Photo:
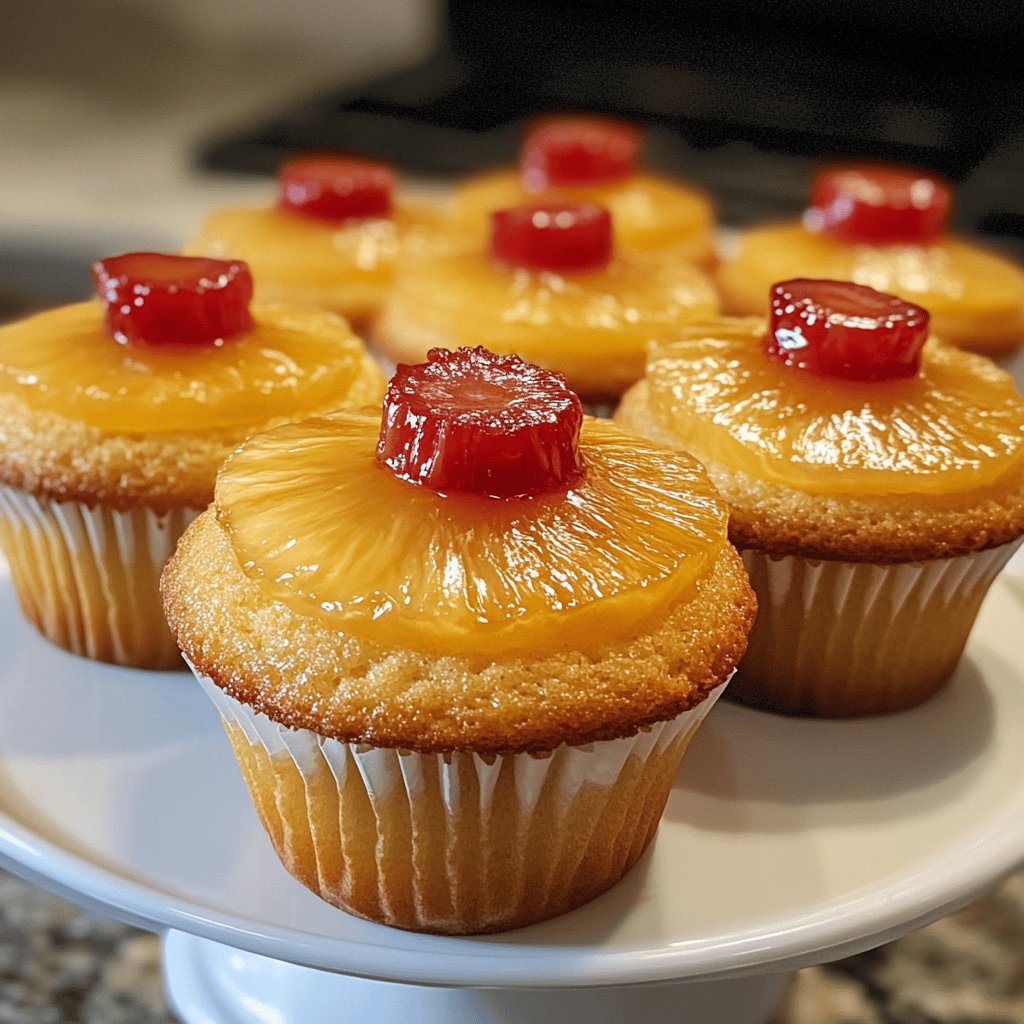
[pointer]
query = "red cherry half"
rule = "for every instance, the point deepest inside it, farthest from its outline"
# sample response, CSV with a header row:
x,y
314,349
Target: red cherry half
x,y
840,329
155,298
563,237
470,421
578,151
877,204
335,188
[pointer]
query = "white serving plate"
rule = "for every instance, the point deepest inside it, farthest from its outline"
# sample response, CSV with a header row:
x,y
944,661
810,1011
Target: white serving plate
x,y
785,841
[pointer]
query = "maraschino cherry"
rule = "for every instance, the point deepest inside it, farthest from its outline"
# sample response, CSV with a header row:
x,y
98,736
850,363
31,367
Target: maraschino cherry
x,y
473,422
576,152
335,188
878,204
845,330
160,299
563,237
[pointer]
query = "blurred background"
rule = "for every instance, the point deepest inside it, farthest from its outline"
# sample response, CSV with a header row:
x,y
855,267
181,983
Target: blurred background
x,y
123,121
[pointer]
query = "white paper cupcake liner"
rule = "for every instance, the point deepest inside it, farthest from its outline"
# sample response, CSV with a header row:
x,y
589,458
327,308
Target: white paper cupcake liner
x,y
455,842
87,576
846,638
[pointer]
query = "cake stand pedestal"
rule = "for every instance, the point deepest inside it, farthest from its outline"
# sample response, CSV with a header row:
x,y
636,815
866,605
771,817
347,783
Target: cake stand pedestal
x,y
785,842
207,981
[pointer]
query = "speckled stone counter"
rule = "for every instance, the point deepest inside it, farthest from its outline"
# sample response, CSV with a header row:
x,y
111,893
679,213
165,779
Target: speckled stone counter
x,y
61,965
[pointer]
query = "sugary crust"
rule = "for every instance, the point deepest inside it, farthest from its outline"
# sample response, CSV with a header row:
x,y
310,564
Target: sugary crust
x,y
51,456
300,673
881,529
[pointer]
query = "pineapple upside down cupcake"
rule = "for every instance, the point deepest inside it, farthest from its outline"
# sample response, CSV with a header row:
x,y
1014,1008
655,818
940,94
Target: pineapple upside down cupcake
x,y
551,286
459,653
877,487
885,227
114,418
595,160
330,242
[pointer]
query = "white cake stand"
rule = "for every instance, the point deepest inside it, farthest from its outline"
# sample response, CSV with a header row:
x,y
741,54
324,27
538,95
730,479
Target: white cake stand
x,y
786,842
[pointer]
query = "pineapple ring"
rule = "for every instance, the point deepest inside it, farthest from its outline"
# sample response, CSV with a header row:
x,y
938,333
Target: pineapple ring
x,y
541,316
330,532
62,361
647,212
958,425
975,297
291,249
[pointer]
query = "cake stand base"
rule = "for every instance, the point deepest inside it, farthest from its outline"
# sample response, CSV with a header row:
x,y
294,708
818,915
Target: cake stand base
x,y
210,983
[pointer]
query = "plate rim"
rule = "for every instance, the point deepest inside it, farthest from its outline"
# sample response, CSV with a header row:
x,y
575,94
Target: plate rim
x,y
842,926
872,917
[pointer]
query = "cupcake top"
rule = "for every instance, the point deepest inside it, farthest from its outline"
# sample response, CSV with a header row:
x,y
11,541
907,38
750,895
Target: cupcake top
x,y
97,396
484,570
835,430
552,284
330,240
885,227
595,160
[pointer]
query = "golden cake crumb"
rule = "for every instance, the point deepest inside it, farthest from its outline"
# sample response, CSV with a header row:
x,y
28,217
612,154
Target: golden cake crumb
x,y
302,674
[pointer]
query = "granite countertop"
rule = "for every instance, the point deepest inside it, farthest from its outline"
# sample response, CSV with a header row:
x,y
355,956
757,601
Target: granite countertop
x,y
62,965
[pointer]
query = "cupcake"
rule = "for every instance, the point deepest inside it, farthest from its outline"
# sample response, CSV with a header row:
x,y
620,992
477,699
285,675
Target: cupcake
x,y
550,286
331,240
460,651
595,160
885,227
876,482
114,417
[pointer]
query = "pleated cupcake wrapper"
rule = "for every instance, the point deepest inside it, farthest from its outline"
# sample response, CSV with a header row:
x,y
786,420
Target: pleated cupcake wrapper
x,y
844,638
455,842
87,576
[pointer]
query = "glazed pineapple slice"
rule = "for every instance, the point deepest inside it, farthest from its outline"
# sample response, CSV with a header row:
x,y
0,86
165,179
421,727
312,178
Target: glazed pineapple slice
x,y
65,361
416,549
330,241
884,226
287,254
594,160
650,214
552,286
606,312
942,422
958,283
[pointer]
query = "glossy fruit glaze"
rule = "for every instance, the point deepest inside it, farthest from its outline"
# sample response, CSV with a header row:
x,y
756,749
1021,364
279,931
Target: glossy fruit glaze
x,y
474,422
305,252
967,290
844,330
465,296
313,515
956,426
160,299
335,188
63,361
879,204
563,237
578,151
648,212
